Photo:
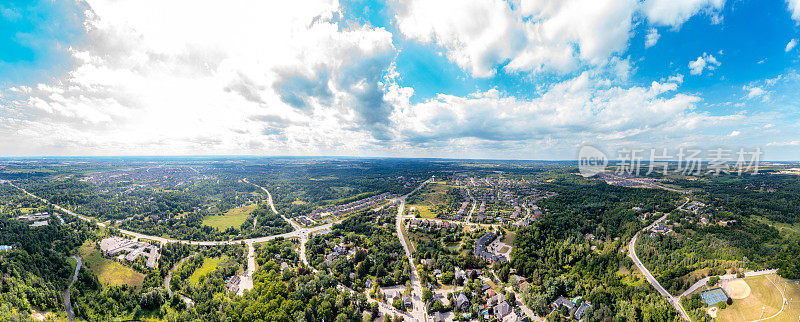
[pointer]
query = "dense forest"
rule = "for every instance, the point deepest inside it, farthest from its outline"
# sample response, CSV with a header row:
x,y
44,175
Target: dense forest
x,y
35,271
555,254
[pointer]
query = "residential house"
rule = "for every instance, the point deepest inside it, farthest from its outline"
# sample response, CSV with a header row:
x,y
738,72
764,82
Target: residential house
x,y
462,302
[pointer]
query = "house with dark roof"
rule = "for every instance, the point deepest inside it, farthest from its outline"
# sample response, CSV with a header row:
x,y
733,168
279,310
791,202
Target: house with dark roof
x,y
480,248
501,310
563,302
462,302
580,312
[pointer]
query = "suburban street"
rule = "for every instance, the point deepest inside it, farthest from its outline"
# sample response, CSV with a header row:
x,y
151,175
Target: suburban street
x,y
675,301
419,313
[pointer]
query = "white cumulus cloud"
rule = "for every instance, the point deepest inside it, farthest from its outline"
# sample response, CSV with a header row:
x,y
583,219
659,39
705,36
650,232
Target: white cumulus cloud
x,y
753,91
790,45
652,38
675,12
535,35
705,62
794,9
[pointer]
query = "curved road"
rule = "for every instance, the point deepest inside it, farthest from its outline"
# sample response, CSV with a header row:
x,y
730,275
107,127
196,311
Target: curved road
x,y
675,301
167,280
299,232
66,295
163,240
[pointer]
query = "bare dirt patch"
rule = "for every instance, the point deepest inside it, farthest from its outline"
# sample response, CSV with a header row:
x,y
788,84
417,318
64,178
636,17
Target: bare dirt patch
x,y
737,289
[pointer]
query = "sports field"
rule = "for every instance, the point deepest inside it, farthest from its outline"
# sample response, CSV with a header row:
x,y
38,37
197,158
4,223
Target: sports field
x,y
765,301
232,218
108,271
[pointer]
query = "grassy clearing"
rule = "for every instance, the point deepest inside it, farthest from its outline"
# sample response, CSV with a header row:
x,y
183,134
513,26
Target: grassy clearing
x,y
424,211
430,196
72,263
108,271
407,239
209,265
765,301
232,218
509,237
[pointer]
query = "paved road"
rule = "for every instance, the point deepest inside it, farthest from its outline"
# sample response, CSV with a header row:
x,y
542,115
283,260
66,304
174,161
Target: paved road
x,y
246,280
66,295
519,303
675,301
727,277
303,233
472,200
163,240
419,313
299,232
189,302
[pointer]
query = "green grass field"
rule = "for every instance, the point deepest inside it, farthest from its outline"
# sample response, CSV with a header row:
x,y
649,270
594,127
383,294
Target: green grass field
x,y
431,195
108,271
509,237
72,263
424,211
209,265
232,218
765,301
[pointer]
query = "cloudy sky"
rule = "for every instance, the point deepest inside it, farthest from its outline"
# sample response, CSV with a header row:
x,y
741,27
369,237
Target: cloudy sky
x,y
519,79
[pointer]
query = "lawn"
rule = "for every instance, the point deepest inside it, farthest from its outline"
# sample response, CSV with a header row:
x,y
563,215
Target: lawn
x,y
108,271
764,295
232,218
209,265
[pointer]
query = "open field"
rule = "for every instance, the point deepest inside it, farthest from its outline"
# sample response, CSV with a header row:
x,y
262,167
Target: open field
x,y
108,271
765,301
509,237
209,265
424,211
232,218
430,196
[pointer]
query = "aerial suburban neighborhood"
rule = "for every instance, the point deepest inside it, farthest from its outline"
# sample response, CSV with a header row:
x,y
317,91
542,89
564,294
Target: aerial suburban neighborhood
x,y
400,160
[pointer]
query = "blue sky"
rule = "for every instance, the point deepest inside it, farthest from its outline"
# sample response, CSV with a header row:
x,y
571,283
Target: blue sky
x,y
491,78
34,37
